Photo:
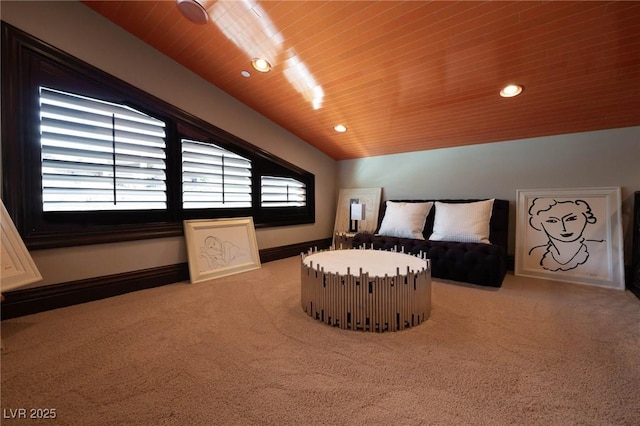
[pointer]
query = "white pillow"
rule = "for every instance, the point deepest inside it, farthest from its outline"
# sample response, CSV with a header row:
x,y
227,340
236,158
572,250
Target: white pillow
x,y
462,222
405,220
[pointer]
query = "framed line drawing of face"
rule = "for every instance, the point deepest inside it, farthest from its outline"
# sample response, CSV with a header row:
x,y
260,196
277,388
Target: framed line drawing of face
x,y
572,235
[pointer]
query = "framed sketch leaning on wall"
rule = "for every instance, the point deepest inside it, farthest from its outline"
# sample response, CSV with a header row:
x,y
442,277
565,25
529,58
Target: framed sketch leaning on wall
x,y
17,267
220,247
370,197
572,235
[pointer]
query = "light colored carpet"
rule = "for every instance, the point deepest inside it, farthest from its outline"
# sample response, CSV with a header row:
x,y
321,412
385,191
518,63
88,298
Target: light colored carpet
x,y
240,350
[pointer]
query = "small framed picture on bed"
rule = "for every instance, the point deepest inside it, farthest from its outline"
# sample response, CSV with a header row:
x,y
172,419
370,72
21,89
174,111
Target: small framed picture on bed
x,y
367,199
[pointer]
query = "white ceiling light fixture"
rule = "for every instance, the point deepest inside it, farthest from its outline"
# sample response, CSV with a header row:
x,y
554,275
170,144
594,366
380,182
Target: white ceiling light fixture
x,y
193,11
340,128
261,65
511,90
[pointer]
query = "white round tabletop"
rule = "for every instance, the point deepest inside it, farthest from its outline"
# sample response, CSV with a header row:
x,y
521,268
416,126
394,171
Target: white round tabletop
x,y
377,263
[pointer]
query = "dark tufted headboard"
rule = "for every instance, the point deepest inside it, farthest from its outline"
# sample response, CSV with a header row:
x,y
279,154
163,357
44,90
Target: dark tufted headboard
x,y
498,226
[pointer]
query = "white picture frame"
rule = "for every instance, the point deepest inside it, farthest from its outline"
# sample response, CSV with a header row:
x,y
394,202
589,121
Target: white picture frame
x,y
370,197
572,235
17,266
220,247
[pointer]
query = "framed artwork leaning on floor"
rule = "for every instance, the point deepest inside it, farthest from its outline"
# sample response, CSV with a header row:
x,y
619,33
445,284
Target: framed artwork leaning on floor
x,y
220,247
17,268
572,235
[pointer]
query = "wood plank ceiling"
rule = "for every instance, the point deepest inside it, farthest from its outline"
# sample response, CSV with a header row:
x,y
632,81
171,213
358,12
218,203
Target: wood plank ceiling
x,y
409,75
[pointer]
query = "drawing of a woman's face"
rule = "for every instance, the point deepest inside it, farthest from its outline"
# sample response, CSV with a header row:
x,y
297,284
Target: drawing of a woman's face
x,y
213,245
562,221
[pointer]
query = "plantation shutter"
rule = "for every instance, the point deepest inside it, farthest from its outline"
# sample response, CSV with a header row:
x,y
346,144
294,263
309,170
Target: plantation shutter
x,y
98,155
213,177
283,192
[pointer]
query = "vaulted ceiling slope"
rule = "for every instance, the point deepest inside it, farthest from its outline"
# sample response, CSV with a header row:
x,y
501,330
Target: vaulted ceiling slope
x,y
409,75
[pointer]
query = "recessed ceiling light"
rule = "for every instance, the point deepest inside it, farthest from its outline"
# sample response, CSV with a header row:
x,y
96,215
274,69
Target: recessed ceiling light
x,y
193,11
245,73
340,128
261,64
511,90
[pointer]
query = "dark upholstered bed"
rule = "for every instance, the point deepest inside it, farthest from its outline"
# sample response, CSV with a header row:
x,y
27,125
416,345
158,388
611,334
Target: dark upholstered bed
x,y
475,263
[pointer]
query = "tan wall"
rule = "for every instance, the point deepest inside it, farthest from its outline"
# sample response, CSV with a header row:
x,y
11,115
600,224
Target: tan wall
x,y
78,30
496,170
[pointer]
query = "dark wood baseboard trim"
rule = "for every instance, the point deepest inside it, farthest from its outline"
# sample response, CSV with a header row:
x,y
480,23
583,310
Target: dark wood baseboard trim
x,y
275,253
629,282
38,299
33,300
634,290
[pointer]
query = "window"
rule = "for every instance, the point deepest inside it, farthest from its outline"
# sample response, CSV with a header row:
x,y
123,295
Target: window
x,y
213,177
282,192
88,158
99,156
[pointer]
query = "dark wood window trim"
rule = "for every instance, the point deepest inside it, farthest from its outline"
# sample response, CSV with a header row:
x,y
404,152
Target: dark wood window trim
x,y
29,63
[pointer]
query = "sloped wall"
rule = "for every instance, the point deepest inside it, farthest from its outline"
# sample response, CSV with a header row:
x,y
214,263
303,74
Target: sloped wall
x,y
78,30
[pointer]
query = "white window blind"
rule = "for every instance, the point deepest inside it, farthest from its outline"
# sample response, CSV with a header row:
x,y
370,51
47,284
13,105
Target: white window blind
x,y
98,155
283,192
213,177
